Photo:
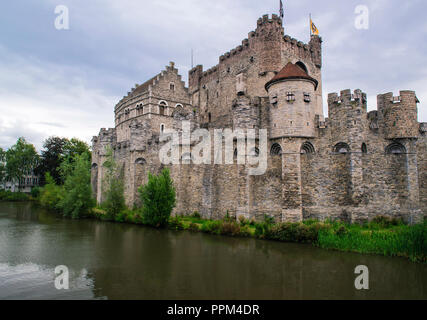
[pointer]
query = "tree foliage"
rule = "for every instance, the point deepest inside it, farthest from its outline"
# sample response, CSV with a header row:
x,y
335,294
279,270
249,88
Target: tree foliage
x,y
51,157
2,166
51,194
77,199
158,199
55,151
21,159
113,186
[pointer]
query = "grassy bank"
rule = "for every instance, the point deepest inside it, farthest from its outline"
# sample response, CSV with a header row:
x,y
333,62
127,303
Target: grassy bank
x,y
383,236
14,196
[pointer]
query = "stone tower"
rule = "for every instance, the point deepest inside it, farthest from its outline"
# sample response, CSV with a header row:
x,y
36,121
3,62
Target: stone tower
x,y
293,103
292,116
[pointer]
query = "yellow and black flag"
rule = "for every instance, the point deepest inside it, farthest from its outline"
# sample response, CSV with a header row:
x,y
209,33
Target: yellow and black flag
x,y
313,28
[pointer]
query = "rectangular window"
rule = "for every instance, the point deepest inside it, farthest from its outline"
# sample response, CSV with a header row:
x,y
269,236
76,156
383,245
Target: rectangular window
x,y
307,97
290,97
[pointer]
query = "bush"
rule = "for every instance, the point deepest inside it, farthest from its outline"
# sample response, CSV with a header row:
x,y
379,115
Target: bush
x,y
77,200
229,228
212,227
35,192
113,187
158,199
262,230
193,227
175,223
51,194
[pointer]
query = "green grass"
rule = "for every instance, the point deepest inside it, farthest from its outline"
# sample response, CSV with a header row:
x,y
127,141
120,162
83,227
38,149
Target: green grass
x,y
401,240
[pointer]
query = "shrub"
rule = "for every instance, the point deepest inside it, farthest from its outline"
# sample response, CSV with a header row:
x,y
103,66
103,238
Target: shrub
x,y
35,192
243,221
113,187
193,227
175,223
158,199
229,228
245,231
77,200
262,230
212,227
51,194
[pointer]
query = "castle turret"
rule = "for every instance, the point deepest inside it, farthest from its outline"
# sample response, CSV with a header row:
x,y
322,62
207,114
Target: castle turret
x,y
348,118
349,126
293,103
398,115
267,42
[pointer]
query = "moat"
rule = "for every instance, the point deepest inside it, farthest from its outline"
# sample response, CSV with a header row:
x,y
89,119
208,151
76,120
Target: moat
x,y
119,261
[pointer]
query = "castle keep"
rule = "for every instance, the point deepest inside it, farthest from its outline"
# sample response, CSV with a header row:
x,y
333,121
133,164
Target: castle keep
x,y
352,165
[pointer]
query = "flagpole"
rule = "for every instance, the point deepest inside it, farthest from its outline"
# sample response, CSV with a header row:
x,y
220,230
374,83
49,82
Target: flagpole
x,y
310,25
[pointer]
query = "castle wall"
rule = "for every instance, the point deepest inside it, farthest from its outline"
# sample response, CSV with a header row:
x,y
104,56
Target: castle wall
x,y
422,171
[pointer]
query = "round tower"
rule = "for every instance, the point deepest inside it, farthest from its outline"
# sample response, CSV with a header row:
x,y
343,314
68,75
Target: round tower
x,y
293,103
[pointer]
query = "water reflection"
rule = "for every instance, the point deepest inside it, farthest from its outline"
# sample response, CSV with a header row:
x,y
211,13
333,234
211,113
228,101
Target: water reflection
x,y
133,262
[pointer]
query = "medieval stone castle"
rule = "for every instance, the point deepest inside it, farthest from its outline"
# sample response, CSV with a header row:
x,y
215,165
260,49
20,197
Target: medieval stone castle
x,y
352,165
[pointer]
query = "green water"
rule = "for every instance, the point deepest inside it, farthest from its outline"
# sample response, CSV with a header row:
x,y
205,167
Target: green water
x,y
118,261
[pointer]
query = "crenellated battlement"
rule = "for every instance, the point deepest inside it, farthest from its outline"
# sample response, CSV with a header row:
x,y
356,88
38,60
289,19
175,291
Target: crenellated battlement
x,y
347,96
398,115
265,20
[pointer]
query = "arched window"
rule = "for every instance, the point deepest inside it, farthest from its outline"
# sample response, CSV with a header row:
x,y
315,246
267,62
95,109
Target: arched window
x,y
210,117
162,107
307,147
395,148
162,128
342,148
178,105
364,148
302,66
140,161
94,166
276,149
172,86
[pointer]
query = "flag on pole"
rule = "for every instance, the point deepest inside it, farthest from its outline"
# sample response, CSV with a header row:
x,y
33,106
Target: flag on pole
x,y
282,12
313,28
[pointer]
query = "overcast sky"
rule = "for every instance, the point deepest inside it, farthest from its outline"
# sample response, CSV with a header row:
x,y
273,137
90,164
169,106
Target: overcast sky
x,y
66,82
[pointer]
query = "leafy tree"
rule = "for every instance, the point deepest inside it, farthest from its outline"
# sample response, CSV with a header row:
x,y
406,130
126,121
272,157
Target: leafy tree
x,y
75,147
2,166
158,199
21,159
72,149
77,200
51,158
113,187
55,151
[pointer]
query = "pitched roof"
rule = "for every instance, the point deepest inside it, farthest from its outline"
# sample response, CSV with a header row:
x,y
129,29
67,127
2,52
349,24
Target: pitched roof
x,y
290,72
143,87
